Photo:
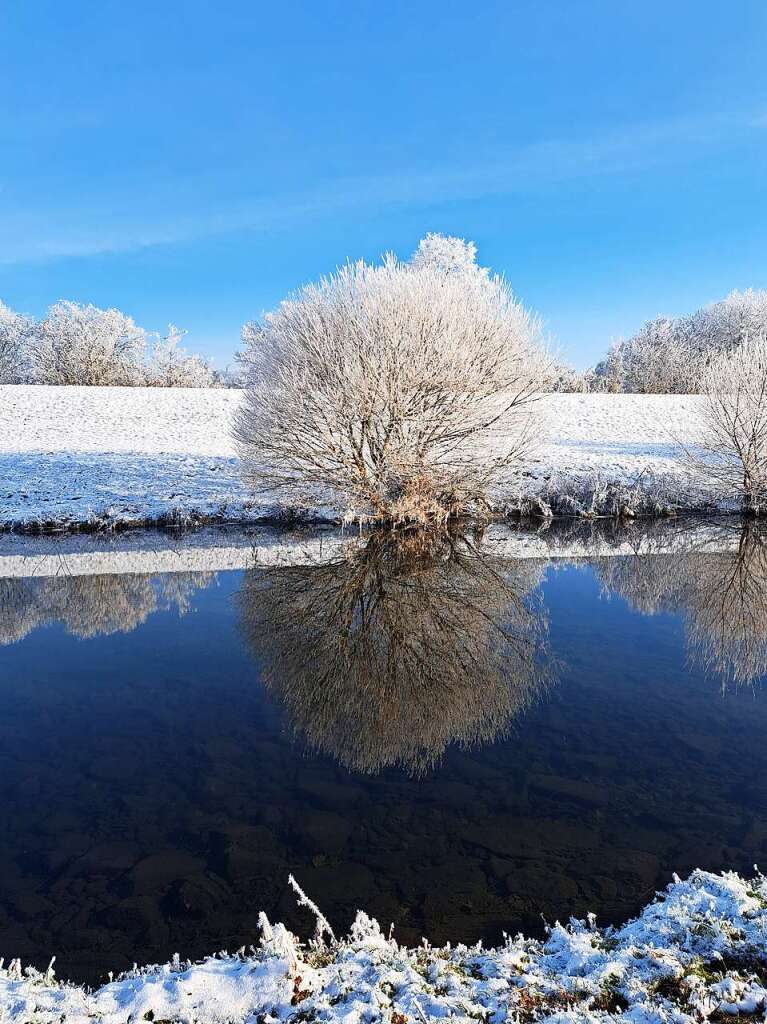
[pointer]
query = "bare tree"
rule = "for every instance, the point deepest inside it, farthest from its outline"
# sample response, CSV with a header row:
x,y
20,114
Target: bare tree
x,y
412,642
393,391
731,455
13,332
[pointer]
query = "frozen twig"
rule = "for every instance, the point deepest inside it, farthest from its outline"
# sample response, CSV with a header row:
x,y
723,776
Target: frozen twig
x,y
323,925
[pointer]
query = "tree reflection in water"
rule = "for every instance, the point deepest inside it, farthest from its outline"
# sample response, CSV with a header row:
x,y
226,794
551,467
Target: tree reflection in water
x,y
408,644
722,596
89,606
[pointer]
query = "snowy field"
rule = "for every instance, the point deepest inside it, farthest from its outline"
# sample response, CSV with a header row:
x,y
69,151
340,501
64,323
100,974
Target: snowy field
x,y
698,953
73,455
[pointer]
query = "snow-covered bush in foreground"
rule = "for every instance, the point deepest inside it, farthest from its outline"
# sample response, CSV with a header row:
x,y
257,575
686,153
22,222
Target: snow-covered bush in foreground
x,y
697,953
395,391
668,356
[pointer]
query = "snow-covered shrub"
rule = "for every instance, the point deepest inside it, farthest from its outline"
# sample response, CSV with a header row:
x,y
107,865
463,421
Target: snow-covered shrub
x,y
731,454
82,344
695,954
396,391
170,366
13,332
668,356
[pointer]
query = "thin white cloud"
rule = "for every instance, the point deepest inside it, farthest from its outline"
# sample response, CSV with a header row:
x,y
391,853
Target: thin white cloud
x,y
104,226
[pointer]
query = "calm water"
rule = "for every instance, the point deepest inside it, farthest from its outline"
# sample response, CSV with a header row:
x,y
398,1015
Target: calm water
x,y
457,744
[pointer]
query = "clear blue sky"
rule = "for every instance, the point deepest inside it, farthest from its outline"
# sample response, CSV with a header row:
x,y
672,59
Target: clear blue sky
x,y
193,161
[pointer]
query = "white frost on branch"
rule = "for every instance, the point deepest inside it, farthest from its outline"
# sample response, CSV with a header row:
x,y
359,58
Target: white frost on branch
x,y
323,925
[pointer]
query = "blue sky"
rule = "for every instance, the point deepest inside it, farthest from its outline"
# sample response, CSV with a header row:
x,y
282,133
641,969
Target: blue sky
x,y
194,161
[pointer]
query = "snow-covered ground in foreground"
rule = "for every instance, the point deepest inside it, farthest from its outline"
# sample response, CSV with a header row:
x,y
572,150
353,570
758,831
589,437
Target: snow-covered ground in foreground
x,y
121,455
697,953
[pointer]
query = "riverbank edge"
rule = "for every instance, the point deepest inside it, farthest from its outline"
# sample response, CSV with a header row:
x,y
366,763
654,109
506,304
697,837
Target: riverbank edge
x,y
555,498
696,952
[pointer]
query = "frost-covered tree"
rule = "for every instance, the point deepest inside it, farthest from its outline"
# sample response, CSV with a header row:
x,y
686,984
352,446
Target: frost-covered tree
x,y
393,391
724,325
13,333
82,344
171,366
731,454
659,360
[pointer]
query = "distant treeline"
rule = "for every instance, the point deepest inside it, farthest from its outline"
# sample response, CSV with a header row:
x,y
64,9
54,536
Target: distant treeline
x,y
83,345
668,355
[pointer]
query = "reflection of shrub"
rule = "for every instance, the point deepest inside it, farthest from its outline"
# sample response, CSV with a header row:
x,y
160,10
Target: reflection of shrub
x,y
89,606
407,645
393,390
722,596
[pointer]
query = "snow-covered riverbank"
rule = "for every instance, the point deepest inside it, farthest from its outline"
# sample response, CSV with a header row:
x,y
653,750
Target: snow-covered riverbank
x,y
697,953
110,456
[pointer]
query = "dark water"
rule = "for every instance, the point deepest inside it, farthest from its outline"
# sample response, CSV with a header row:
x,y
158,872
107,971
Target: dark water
x,y
458,745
